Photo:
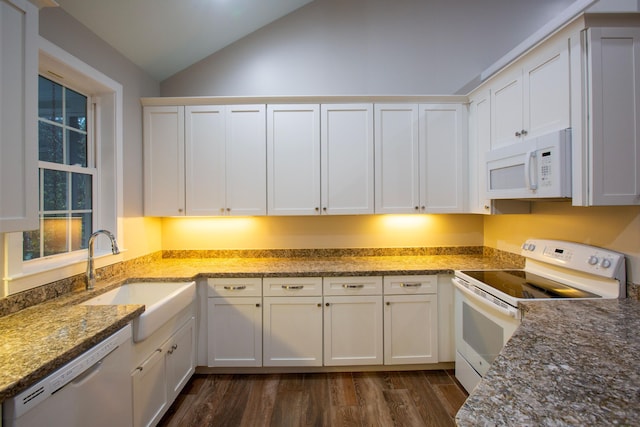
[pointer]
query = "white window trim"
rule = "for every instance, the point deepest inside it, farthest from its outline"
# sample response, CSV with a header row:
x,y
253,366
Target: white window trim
x,y
108,95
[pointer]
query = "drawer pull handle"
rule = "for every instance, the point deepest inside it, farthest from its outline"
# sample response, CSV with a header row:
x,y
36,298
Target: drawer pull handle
x,y
235,288
172,349
353,286
292,287
411,285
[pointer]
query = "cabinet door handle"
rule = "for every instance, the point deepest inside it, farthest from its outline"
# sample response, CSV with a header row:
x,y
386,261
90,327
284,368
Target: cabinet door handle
x,y
292,287
320,305
172,349
518,134
327,304
410,285
235,288
524,132
388,303
258,305
353,286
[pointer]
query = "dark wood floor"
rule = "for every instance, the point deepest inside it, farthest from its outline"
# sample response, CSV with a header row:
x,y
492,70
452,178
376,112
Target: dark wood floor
x,y
414,398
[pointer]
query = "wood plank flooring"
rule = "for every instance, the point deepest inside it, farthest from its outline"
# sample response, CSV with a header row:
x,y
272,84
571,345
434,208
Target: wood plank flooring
x,y
406,398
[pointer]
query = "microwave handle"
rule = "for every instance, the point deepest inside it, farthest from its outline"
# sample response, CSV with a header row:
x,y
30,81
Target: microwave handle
x,y
531,181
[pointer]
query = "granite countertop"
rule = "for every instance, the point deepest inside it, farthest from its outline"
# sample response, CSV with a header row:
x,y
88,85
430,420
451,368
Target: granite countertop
x,y
573,363
37,340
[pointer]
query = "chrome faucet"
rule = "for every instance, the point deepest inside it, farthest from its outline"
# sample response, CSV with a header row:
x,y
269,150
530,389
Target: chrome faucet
x,y
91,270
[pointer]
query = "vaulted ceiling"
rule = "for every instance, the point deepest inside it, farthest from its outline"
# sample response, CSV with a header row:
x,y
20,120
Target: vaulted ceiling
x,y
165,36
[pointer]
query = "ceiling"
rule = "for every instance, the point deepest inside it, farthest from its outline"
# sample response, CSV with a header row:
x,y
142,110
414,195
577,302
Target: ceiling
x,y
165,36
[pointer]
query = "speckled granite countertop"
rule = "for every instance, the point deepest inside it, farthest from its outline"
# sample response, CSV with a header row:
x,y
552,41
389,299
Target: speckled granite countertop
x,y
570,363
37,340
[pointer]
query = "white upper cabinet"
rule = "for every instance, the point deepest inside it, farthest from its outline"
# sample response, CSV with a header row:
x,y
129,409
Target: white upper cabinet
x,y
246,160
531,97
479,144
606,162
205,160
444,158
293,159
397,158
164,161
420,158
19,118
347,159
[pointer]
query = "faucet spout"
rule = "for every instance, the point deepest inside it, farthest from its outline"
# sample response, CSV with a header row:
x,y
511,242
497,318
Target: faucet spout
x,y
91,270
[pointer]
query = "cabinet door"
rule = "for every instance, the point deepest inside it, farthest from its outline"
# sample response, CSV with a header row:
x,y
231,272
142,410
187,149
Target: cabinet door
x,y
149,390
546,90
397,177
18,121
235,331
353,330
443,158
347,159
205,160
410,329
180,358
164,161
614,74
293,159
507,109
246,160
479,144
292,332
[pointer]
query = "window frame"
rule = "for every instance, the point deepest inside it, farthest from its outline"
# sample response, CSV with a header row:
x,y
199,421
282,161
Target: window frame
x,y
107,99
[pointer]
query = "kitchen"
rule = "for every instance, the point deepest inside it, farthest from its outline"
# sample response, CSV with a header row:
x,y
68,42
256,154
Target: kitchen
x,y
615,227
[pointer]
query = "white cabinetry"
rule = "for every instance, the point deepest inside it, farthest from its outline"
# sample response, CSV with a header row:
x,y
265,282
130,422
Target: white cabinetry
x,y
420,158
205,160
531,97
292,322
19,118
353,321
159,378
347,159
235,322
410,319
164,161
293,159
606,148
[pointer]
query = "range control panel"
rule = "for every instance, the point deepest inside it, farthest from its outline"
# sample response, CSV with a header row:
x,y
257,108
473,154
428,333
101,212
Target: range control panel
x,y
576,256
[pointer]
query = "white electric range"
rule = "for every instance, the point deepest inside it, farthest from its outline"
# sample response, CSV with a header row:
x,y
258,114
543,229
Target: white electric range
x,y
486,301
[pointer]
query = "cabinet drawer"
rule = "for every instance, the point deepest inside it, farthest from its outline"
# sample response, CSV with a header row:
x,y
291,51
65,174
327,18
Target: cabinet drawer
x,y
352,285
406,285
292,286
236,287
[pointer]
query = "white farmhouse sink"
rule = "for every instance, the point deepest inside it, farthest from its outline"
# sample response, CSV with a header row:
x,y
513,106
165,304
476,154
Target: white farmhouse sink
x,y
162,301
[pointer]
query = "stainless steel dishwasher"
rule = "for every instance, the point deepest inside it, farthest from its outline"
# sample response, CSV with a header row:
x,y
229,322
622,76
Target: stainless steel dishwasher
x,y
93,389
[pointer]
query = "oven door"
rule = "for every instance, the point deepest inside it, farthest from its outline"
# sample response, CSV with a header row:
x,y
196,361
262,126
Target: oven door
x,y
482,329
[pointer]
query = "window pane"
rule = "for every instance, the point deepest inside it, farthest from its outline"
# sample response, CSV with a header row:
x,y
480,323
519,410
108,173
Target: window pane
x,y
50,142
55,234
80,191
77,148
80,231
55,191
31,245
76,110
49,100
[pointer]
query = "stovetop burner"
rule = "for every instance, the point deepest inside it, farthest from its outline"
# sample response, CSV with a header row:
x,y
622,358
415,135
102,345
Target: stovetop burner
x,y
524,285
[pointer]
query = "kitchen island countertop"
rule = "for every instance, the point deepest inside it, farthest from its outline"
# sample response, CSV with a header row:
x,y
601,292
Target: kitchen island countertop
x,y
37,340
572,363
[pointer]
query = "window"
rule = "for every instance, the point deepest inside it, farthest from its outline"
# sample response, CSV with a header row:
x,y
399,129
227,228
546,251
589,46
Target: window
x,y
80,172
66,173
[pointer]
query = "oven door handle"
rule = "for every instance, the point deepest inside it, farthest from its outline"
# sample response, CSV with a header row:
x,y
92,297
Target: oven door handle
x,y
511,312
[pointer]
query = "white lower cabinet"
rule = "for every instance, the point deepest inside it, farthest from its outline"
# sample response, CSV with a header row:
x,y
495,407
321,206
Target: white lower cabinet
x,y
234,322
410,320
159,378
292,321
352,321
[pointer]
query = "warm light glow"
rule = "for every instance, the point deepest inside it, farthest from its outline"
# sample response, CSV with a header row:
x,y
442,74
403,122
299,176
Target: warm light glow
x,y
404,222
216,225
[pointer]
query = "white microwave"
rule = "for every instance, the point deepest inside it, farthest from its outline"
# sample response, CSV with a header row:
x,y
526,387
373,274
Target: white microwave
x,y
535,168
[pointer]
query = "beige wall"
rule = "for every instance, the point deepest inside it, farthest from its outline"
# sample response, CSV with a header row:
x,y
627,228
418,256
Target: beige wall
x,y
357,231
616,228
